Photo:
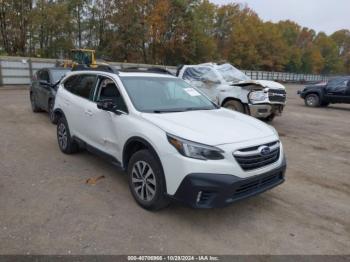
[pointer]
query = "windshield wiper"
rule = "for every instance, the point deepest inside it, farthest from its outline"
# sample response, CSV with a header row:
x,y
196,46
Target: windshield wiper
x,y
197,108
181,110
167,111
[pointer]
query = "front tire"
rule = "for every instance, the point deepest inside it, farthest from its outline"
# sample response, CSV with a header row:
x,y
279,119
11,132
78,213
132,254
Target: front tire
x,y
52,116
146,181
234,105
270,118
312,100
65,141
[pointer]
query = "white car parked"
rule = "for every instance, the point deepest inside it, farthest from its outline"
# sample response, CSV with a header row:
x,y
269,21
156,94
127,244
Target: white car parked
x,y
174,143
231,88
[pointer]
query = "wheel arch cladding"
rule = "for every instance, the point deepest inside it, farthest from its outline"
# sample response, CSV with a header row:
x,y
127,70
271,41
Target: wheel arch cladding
x,y
314,92
229,99
59,113
135,144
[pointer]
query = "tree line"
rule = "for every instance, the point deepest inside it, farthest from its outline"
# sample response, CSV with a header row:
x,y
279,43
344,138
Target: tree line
x,y
169,32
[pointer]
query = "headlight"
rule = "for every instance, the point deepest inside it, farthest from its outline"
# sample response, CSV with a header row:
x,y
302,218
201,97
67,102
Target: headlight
x,y
195,150
274,130
257,96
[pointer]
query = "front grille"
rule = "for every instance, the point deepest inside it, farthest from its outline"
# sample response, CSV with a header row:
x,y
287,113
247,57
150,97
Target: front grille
x,y
276,95
257,184
257,156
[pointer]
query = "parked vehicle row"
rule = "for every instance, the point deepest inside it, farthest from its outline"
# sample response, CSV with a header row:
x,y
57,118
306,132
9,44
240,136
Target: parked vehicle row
x,y
174,143
43,89
177,138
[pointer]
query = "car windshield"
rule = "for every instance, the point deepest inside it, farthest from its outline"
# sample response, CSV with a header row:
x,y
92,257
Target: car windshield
x,y
201,73
58,74
163,94
231,74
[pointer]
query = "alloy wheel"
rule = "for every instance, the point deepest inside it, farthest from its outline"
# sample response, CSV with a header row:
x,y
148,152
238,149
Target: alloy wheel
x,y
311,100
62,136
143,181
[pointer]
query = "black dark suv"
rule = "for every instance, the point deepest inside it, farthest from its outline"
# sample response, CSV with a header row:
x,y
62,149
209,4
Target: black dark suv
x,y
43,89
336,90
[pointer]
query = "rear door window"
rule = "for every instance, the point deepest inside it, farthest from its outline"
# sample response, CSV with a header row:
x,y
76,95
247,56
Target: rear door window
x,y
44,75
81,85
337,85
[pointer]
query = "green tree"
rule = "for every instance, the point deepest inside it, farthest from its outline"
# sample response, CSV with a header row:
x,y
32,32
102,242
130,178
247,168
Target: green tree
x,y
342,40
14,24
52,33
169,32
329,52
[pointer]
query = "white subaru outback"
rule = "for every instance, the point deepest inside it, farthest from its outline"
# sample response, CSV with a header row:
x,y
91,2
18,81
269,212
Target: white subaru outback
x,y
174,143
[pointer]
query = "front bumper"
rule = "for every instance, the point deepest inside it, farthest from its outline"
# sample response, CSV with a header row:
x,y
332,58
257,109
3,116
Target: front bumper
x,y
301,93
218,190
265,110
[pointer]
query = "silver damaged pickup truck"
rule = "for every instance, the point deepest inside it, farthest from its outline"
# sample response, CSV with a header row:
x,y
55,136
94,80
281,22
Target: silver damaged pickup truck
x,y
231,88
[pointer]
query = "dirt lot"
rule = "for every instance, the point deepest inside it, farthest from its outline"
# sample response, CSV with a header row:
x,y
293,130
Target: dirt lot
x,y
47,208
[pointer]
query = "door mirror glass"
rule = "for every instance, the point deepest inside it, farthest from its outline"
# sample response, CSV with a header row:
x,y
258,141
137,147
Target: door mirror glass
x,y
107,105
44,83
110,106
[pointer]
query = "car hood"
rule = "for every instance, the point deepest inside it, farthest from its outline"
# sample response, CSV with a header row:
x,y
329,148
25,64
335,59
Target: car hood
x,y
211,127
262,83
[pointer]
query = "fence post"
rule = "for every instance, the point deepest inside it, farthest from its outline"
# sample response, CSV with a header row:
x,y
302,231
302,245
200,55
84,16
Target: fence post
x,y
1,81
30,68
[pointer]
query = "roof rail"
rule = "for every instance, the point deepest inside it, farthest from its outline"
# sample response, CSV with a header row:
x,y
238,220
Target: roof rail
x,y
158,70
103,68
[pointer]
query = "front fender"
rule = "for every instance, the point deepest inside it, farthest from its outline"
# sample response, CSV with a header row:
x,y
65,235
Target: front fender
x,y
312,91
233,92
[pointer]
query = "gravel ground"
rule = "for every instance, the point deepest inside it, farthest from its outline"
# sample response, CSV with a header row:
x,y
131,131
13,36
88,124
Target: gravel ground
x,y
46,207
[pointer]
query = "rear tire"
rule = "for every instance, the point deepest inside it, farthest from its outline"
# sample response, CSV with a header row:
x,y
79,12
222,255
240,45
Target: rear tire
x,y
64,139
312,100
146,181
33,104
234,105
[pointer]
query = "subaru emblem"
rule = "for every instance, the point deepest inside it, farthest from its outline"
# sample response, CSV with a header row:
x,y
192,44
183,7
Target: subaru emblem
x,y
264,150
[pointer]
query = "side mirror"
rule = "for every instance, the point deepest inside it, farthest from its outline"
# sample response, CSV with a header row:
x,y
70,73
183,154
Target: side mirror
x,y
107,105
44,83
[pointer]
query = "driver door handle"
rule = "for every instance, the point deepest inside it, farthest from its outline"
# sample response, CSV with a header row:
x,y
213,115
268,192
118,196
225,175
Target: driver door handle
x,y
88,112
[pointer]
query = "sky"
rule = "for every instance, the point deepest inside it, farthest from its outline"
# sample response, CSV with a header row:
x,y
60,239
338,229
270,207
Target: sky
x,y
321,15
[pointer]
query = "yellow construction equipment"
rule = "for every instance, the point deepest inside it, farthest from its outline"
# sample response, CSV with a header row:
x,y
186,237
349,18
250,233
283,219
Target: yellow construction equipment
x,y
85,59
